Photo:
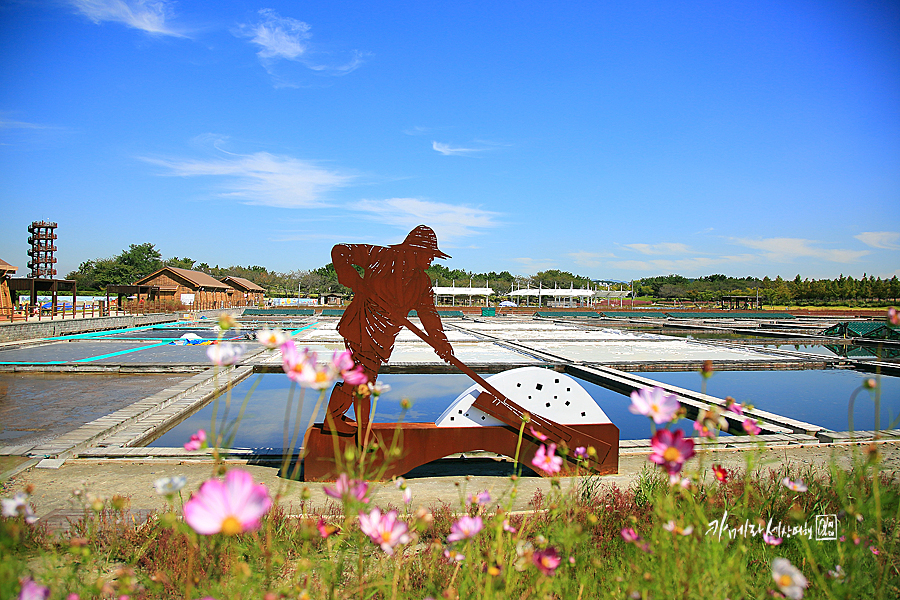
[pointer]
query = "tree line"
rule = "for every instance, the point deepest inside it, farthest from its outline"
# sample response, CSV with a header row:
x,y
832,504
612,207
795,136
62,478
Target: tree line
x,y
140,260
867,289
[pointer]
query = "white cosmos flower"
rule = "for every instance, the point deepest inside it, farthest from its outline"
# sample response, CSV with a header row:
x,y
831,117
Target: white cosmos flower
x,y
168,486
271,338
225,353
18,505
788,578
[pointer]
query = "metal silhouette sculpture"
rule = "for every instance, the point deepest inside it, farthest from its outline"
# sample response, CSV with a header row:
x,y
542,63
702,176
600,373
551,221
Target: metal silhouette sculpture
x,y
392,283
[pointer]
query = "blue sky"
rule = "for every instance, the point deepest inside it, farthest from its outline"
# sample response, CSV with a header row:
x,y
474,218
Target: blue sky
x,y
615,140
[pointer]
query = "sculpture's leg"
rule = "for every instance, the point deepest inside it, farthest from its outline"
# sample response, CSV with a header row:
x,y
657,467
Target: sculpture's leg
x,y
339,403
342,397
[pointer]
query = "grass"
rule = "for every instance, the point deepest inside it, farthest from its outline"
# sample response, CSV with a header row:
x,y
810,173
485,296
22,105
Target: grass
x,y
108,555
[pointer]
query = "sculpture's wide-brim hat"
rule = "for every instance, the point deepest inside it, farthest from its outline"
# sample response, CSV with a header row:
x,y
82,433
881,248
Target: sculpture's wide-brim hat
x,y
422,238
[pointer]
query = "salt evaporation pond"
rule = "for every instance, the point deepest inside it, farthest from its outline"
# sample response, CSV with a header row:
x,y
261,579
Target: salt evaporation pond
x,y
814,396
263,422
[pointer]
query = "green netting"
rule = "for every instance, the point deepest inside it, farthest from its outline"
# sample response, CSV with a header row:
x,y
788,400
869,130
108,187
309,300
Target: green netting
x,y
865,329
279,311
728,315
441,313
632,315
574,313
332,312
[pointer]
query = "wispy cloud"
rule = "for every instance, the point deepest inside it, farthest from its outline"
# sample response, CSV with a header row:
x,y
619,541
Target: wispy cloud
x,y
534,265
884,240
263,178
662,248
419,130
687,266
147,15
450,221
590,259
448,150
7,124
286,39
788,249
26,134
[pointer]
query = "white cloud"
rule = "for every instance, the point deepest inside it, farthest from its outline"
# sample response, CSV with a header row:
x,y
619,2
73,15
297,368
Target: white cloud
x,y
146,15
689,266
662,248
788,249
885,240
590,259
449,221
286,39
279,37
448,150
263,178
535,265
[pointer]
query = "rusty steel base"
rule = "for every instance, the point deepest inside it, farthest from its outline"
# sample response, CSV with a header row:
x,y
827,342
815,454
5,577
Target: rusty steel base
x,y
421,443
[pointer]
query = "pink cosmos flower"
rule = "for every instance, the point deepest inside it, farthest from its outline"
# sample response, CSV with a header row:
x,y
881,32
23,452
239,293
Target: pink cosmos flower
x,y
654,403
345,489
481,499
453,555
703,430
796,486
225,353
720,473
734,407
326,530
301,366
197,441
384,530
581,452
507,527
352,373
537,434
673,527
465,528
33,591
230,507
630,535
771,539
545,459
893,316
751,427
671,450
874,550
546,560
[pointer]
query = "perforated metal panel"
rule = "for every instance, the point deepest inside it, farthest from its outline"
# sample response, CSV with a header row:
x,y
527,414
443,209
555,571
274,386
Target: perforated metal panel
x,y
540,391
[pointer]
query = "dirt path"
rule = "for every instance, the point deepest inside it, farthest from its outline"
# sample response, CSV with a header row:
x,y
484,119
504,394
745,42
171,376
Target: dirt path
x,y
52,489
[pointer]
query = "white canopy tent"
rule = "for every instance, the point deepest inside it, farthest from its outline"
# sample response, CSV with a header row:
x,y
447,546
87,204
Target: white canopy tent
x,y
469,292
572,295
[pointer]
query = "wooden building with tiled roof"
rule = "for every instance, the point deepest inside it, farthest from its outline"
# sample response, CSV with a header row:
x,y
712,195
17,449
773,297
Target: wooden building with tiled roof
x,y
195,289
246,292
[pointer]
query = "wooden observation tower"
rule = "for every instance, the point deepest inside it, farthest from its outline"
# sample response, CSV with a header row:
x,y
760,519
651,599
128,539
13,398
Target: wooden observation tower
x,y
42,239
